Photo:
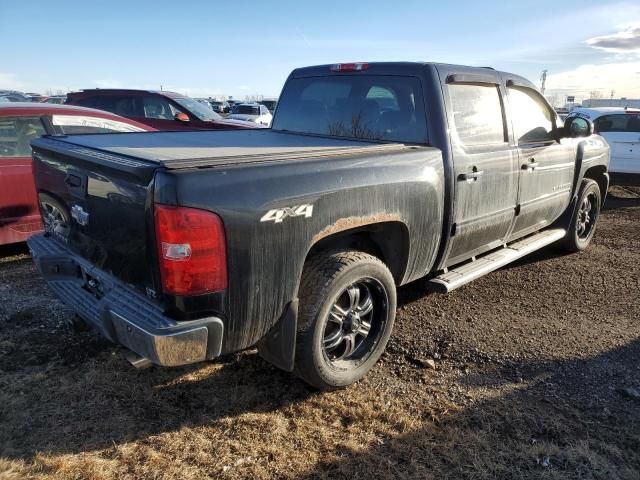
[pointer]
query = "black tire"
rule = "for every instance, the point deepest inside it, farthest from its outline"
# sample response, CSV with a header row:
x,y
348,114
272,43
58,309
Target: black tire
x,y
584,219
55,215
333,353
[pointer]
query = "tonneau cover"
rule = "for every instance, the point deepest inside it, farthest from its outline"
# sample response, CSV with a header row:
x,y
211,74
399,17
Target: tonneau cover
x,y
211,148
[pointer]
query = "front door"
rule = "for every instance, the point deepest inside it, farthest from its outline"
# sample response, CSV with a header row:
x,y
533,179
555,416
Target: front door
x,y
484,162
19,213
546,164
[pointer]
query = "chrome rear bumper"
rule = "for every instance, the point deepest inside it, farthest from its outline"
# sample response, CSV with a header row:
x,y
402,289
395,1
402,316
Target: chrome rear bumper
x,y
122,314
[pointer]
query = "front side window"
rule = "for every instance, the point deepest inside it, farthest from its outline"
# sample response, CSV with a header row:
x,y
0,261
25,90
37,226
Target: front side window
x,y
73,124
16,135
532,118
372,107
477,114
626,123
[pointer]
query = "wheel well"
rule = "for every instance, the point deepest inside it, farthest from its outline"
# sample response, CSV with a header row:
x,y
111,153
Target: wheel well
x,y
389,241
598,173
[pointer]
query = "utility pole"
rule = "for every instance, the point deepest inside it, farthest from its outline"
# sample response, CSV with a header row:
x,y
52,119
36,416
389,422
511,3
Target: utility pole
x,y
543,79
612,94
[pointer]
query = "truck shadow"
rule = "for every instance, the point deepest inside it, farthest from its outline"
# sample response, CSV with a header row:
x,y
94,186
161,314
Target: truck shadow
x,y
582,414
13,249
90,403
621,197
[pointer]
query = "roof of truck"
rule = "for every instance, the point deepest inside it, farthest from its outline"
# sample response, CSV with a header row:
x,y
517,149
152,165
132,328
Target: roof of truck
x,y
211,148
403,68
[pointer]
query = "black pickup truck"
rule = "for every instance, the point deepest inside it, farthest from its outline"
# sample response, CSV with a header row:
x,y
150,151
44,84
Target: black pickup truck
x,y
183,246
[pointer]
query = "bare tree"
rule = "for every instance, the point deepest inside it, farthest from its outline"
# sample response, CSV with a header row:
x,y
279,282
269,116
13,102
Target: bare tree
x,y
357,129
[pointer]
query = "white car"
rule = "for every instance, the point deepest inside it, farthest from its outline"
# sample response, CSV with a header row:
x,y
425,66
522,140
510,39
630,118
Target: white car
x,y
620,127
251,112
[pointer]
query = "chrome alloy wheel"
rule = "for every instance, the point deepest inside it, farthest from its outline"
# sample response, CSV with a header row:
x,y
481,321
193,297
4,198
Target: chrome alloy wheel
x,y
55,221
355,322
587,216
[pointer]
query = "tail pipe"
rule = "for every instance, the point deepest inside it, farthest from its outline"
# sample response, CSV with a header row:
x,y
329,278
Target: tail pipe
x,y
138,361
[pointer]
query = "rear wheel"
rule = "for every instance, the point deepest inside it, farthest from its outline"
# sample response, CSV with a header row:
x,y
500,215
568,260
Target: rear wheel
x,y
347,309
585,217
54,215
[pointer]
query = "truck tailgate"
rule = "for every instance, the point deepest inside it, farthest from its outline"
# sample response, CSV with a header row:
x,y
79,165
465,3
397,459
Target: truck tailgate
x,y
105,200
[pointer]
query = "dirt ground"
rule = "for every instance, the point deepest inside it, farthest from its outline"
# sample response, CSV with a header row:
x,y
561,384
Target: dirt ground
x,y
537,376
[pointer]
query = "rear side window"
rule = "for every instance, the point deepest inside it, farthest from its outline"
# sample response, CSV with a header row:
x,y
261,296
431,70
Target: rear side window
x,y
74,124
246,109
124,105
477,114
629,123
532,118
371,107
16,135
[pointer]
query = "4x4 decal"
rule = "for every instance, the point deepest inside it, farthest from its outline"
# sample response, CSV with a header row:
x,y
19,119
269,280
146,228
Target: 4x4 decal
x,y
277,215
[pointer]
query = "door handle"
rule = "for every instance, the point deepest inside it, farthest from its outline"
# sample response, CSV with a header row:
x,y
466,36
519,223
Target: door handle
x,y
473,175
73,181
76,185
531,166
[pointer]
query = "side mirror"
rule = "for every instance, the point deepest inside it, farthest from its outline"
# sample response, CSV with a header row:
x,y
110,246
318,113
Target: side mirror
x,y
181,117
577,127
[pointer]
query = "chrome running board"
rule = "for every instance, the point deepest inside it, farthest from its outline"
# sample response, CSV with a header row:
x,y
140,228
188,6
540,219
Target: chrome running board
x,y
460,275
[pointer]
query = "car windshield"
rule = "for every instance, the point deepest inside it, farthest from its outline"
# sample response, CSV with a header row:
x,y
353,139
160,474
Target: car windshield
x,y
199,110
246,109
374,107
627,122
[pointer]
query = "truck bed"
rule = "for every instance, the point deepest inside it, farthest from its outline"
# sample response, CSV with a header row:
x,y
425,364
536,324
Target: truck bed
x,y
174,150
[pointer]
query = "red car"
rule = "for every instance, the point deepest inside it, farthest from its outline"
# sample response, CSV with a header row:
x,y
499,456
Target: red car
x,y
19,124
158,109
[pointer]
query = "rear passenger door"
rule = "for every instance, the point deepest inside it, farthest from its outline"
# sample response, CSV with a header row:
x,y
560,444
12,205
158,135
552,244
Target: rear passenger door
x,y
547,162
485,163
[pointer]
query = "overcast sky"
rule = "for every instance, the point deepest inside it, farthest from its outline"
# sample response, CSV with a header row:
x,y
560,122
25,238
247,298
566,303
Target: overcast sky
x,y
242,47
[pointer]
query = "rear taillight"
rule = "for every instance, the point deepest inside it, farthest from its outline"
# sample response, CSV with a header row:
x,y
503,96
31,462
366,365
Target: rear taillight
x,y
191,250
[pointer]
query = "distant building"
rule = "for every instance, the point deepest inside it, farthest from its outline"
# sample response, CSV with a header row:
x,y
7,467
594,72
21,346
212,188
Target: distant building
x,y
611,102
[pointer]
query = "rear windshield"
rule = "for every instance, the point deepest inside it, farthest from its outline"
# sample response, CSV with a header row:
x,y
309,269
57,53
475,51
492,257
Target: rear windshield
x,y
246,109
626,122
373,107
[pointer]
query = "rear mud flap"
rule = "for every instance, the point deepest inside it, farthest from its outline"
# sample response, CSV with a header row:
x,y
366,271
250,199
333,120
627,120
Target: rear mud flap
x,y
278,346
